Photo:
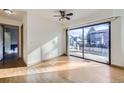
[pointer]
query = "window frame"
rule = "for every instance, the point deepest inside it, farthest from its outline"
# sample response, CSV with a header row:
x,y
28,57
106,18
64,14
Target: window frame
x,y
82,27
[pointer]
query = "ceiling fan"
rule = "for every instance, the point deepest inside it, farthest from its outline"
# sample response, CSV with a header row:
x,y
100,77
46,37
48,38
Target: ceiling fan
x,y
63,15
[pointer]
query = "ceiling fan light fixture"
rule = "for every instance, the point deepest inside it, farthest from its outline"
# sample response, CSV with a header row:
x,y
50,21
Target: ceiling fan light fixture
x,y
61,19
8,11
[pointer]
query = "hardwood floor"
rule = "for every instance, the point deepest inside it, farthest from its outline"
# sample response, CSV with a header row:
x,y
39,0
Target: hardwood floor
x,y
12,64
63,70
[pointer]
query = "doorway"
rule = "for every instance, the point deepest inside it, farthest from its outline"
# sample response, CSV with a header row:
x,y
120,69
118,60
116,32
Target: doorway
x,y
9,43
90,42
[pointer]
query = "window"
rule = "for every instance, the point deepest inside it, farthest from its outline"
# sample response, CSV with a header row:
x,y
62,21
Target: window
x,y
90,42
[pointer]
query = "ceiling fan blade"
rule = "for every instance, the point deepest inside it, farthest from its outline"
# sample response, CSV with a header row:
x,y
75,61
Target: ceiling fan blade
x,y
67,18
70,14
62,13
56,15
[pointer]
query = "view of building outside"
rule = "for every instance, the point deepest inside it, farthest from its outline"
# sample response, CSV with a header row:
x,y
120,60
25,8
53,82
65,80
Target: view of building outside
x,y
90,42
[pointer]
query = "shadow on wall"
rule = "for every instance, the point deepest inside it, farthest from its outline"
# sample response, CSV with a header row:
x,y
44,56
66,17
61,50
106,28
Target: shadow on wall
x,y
46,51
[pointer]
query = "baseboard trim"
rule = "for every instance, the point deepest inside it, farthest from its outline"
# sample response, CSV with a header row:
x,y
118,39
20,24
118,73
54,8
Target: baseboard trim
x,y
20,58
113,65
64,55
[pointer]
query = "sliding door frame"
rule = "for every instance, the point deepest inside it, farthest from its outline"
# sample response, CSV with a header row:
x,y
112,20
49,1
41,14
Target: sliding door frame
x,y
3,43
3,47
82,27
3,26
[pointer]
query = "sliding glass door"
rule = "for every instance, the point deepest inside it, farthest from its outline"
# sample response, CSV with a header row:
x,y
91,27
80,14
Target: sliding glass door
x,y
8,43
90,42
1,43
96,42
75,42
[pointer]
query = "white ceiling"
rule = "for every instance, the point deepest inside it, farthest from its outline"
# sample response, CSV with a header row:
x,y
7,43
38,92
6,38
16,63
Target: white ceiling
x,y
77,13
48,13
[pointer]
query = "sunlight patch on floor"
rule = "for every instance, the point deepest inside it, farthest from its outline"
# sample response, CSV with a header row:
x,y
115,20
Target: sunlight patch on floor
x,y
51,66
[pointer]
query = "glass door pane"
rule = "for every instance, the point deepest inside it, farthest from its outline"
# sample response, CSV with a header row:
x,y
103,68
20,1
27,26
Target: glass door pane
x,y
11,43
1,43
96,42
75,42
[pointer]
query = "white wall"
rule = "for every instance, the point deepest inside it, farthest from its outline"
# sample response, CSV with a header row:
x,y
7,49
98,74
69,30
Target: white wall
x,y
120,13
117,32
122,40
44,38
25,38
